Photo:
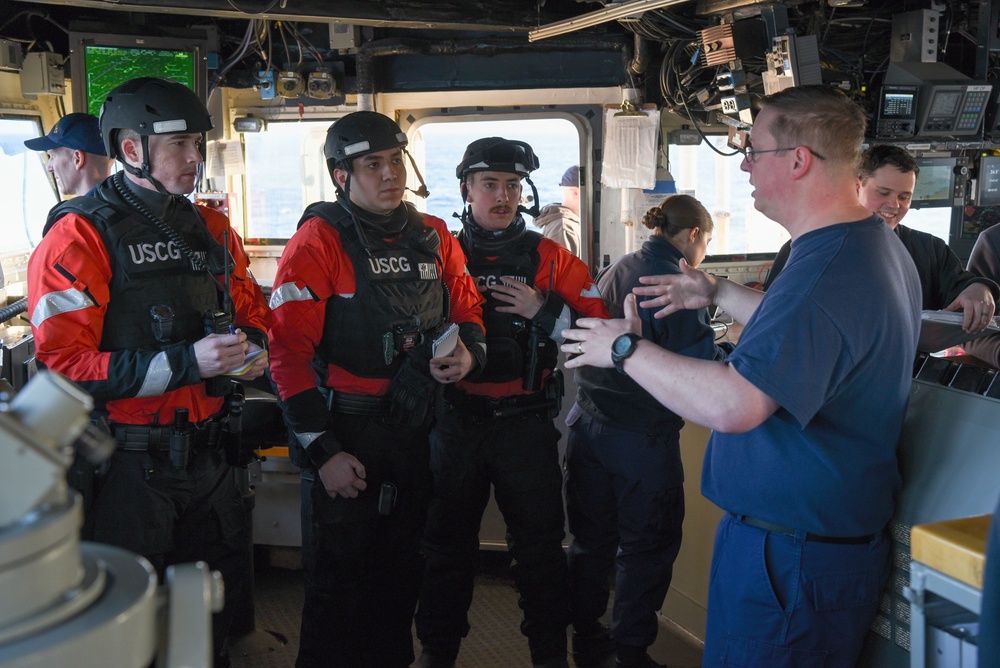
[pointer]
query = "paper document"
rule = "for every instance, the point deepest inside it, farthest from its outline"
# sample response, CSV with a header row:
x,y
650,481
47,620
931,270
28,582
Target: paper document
x,y
252,356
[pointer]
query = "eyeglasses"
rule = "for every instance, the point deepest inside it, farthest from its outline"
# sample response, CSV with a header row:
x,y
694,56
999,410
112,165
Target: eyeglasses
x,y
751,153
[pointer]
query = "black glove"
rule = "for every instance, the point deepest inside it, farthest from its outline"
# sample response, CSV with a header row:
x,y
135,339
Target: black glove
x,y
413,389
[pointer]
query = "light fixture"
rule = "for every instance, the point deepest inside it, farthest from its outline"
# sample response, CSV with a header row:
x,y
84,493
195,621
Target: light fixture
x,y
610,13
248,123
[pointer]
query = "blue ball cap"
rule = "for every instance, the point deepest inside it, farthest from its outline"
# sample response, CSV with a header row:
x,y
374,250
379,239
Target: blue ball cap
x,y
571,177
77,131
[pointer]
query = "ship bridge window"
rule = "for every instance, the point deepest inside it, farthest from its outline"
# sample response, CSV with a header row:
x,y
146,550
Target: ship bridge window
x,y
936,221
27,189
716,180
294,151
714,177
285,171
439,147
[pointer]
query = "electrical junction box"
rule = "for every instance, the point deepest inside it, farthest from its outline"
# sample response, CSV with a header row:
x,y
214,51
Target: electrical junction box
x,y
10,55
321,85
265,81
290,84
42,74
344,37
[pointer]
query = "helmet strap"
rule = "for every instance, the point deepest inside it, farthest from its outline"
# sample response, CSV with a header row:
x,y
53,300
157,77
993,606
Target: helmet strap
x,y
535,208
354,216
422,191
145,171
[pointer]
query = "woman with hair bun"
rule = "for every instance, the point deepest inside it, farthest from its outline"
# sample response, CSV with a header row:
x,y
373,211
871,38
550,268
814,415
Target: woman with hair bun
x,y
624,477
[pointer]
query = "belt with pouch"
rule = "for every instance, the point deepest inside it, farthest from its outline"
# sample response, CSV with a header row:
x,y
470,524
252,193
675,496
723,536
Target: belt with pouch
x,y
786,531
374,405
477,406
156,437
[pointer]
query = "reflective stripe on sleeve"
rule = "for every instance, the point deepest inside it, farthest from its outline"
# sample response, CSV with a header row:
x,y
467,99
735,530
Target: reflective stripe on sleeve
x,y
158,376
564,321
289,292
305,438
57,303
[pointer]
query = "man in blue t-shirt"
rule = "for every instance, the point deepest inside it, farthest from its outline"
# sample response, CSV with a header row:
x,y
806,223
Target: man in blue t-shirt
x,y
807,411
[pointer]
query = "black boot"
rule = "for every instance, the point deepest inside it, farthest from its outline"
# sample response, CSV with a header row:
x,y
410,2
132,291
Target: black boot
x,y
635,657
555,663
593,646
430,661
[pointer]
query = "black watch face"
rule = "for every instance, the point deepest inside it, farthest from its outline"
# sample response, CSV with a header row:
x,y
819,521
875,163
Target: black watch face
x,y
622,344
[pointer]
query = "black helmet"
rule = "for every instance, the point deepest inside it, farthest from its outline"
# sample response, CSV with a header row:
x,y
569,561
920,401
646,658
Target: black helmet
x,y
359,133
496,154
151,106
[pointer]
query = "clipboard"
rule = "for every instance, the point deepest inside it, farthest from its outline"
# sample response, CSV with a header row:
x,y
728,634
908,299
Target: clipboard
x,y
940,330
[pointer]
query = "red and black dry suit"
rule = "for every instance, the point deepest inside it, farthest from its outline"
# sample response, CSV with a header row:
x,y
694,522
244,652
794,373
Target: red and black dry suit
x,y
491,430
93,280
346,311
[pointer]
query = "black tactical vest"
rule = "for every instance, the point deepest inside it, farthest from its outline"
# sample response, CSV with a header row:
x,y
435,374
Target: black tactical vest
x,y
149,272
506,333
398,295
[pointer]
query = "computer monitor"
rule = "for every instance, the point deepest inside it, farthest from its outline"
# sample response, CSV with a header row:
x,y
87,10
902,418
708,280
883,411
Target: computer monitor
x,y
102,60
988,191
936,183
897,112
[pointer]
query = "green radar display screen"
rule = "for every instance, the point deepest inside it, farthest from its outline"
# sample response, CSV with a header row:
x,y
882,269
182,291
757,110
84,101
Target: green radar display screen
x,y
108,66
101,60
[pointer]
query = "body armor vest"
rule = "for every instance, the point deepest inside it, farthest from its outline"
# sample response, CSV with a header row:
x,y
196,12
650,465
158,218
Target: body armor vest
x,y
398,295
149,273
507,334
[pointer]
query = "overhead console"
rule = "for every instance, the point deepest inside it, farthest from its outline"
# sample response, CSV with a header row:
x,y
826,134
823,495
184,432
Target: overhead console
x,y
930,100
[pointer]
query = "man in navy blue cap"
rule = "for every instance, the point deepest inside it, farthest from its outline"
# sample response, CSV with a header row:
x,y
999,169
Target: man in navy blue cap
x,y
76,153
561,222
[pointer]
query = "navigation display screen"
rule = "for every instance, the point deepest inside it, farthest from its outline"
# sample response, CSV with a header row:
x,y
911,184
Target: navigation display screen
x,y
897,105
989,181
945,103
108,66
936,183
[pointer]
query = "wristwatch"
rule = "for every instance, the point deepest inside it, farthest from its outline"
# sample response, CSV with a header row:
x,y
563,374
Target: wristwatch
x,y
622,349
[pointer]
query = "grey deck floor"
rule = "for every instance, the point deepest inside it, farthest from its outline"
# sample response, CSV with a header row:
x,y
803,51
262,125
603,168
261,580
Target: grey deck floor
x,y
495,640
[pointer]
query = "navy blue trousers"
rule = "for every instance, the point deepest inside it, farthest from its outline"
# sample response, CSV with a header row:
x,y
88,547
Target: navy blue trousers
x,y
625,503
776,600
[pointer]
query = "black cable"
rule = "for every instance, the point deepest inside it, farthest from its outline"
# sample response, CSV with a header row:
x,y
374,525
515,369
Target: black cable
x,y
299,37
244,45
11,310
724,331
29,13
